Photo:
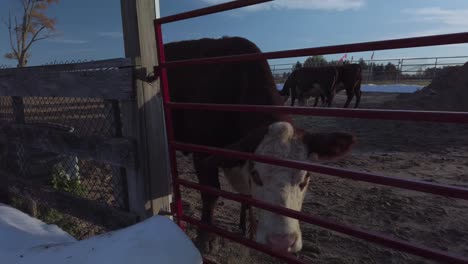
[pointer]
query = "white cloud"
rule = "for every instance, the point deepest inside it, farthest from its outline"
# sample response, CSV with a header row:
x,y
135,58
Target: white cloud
x,y
111,34
442,21
68,41
335,5
420,33
448,17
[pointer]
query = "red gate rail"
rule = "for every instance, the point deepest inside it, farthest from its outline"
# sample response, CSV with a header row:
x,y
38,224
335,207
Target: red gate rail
x,y
433,188
209,10
239,239
341,228
435,40
428,116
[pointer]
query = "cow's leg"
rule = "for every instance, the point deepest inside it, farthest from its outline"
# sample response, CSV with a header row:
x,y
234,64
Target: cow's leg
x,y
295,93
243,217
293,98
252,224
330,99
323,96
350,95
358,97
329,95
251,229
316,101
207,175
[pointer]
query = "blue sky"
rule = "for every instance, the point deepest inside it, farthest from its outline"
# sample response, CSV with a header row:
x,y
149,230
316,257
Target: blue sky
x,y
91,29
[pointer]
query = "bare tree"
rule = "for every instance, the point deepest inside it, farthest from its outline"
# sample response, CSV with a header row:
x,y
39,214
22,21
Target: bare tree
x,y
34,25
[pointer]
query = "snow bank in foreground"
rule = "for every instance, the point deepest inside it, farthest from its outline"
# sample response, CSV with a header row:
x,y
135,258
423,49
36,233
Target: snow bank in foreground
x,y
20,231
25,240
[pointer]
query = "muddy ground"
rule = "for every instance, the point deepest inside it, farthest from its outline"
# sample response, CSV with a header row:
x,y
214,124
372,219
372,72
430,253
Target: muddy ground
x,y
424,151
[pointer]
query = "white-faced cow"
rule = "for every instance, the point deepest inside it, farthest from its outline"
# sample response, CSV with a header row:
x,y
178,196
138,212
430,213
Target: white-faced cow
x,y
270,134
308,82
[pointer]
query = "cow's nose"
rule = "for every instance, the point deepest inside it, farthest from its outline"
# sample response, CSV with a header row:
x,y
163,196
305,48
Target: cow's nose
x,y
282,242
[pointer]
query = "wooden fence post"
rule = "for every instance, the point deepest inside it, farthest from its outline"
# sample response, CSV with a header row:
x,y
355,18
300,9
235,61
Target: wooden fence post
x,y
145,119
18,109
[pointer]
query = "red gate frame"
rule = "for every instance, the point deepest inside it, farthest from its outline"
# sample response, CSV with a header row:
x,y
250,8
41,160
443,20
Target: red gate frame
x,y
430,116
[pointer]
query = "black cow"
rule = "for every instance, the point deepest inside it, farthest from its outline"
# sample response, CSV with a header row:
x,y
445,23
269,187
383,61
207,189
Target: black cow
x,y
308,82
324,82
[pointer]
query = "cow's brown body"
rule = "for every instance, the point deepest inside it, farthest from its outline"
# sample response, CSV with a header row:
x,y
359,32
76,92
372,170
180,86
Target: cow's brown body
x,y
240,83
231,83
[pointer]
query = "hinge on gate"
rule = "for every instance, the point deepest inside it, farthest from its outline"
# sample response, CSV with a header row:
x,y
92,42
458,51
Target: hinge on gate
x,y
143,75
151,77
156,72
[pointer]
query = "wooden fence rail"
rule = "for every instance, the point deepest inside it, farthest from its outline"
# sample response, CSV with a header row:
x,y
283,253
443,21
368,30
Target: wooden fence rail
x,y
84,89
108,79
89,210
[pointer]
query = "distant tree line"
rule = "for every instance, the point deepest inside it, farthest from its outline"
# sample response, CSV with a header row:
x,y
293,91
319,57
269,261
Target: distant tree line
x,y
373,71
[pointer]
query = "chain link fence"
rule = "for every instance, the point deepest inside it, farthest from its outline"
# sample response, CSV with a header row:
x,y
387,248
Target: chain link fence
x,y
387,71
99,182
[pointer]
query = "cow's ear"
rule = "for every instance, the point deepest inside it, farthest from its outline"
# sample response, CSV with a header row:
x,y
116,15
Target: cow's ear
x,y
328,145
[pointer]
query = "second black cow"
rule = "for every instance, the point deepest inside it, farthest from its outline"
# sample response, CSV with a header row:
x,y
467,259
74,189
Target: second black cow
x,y
324,83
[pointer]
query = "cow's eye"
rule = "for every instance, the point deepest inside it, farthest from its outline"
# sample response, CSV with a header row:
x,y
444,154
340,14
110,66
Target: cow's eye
x,y
256,178
304,183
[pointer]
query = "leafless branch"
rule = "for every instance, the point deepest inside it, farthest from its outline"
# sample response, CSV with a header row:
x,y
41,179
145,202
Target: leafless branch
x,y
34,38
11,36
28,9
17,37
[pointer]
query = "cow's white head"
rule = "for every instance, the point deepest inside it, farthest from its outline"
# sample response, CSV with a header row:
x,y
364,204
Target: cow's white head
x,y
284,186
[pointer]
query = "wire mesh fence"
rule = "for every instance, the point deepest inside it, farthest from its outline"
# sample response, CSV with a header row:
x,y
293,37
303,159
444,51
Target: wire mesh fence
x,y
6,109
85,178
101,183
391,70
71,61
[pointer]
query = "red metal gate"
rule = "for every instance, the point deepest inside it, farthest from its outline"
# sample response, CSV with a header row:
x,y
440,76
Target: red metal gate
x,y
447,117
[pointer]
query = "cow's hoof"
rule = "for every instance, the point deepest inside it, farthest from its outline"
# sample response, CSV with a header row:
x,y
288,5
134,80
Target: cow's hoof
x,y
207,243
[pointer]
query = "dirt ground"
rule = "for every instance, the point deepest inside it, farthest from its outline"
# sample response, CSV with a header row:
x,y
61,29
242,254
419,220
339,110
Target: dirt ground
x,y
412,150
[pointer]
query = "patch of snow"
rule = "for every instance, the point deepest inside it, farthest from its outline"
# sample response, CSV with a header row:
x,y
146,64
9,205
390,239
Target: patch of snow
x,y
389,88
26,240
19,231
